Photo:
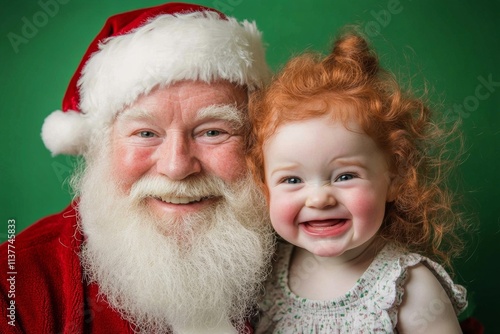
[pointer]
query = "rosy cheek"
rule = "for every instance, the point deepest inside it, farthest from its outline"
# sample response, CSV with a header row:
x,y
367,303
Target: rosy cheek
x,y
129,164
368,207
226,163
283,211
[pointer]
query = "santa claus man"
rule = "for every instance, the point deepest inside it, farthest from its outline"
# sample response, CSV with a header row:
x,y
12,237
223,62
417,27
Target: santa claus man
x,y
167,232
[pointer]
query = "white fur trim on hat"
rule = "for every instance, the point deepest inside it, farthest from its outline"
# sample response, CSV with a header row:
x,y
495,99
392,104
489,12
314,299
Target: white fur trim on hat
x,y
64,132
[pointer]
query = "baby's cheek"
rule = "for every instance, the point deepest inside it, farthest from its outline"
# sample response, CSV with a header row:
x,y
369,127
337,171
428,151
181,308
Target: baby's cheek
x,y
283,213
368,207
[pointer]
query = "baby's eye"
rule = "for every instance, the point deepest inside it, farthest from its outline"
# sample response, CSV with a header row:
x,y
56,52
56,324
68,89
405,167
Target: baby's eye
x,y
344,177
146,134
291,180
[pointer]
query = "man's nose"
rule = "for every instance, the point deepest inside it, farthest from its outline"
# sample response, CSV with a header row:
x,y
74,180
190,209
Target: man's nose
x,y
321,197
176,158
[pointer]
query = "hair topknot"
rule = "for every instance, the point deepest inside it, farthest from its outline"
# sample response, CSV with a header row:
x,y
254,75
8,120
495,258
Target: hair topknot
x,y
352,51
351,85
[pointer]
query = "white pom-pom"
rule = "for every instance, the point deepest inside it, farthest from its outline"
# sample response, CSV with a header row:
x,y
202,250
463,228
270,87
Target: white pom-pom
x,y
64,132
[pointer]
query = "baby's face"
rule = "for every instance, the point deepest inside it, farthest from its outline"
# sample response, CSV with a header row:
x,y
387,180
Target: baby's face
x,y
328,185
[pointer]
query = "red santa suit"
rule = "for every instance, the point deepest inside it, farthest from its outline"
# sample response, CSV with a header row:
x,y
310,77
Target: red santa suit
x,y
49,293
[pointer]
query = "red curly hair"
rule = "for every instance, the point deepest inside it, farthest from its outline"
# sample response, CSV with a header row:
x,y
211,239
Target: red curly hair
x,y
353,87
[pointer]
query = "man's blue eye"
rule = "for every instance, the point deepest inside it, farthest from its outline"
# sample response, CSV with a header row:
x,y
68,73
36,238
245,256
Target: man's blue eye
x,y
212,133
146,134
292,180
345,177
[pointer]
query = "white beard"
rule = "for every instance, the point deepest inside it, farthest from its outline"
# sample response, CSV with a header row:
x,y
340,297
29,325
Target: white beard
x,y
192,274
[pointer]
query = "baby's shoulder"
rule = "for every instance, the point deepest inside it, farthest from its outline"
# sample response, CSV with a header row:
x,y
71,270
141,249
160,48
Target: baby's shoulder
x,y
422,286
426,304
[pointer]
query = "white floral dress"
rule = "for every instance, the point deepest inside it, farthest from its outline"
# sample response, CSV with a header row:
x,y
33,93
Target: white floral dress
x,y
371,306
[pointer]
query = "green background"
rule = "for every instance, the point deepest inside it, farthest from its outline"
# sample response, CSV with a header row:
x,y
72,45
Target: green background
x,y
453,45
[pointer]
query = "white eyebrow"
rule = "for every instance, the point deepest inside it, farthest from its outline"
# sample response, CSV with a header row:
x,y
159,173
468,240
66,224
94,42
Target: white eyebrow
x,y
135,114
225,112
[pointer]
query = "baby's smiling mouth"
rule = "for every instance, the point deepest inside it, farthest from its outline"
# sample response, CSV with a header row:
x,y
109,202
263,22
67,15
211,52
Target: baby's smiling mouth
x,y
322,224
325,227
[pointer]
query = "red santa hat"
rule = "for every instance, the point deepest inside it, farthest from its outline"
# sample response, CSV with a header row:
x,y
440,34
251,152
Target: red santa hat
x,y
142,49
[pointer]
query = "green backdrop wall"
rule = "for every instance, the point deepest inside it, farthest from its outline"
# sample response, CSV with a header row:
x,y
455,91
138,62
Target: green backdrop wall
x,y
454,45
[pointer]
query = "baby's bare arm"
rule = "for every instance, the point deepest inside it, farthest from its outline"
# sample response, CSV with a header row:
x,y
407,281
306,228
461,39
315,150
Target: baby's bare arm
x,y
426,307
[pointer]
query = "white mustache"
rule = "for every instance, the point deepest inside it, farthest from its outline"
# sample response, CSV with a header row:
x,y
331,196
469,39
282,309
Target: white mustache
x,y
178,192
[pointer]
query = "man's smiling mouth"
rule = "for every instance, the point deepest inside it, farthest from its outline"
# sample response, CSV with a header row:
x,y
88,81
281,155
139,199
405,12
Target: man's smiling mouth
x,y
181,200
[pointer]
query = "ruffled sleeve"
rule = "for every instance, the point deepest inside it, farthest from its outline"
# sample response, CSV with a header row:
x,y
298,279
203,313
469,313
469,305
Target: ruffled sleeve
x,y
391,267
